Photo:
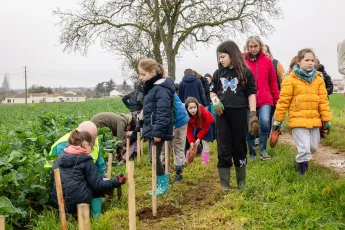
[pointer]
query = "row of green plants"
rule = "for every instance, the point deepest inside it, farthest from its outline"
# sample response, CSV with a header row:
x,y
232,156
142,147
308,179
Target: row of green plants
x,y
26,135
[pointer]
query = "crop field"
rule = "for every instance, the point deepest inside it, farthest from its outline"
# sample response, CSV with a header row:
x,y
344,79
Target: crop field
x,y
276,197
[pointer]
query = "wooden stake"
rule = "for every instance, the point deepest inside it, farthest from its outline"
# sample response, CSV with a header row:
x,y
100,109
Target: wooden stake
x,y
83,217
131,197
110,164
127,154
2,222
166,145
332,112
141,142
154,182
61,201
138,147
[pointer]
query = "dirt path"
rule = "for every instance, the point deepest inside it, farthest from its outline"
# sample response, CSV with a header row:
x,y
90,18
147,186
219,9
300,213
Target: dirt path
x,y
325,155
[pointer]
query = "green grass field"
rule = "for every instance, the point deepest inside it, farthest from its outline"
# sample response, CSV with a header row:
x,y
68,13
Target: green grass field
x,y
276,197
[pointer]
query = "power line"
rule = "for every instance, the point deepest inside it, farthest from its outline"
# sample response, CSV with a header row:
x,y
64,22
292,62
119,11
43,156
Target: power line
x,y
26,89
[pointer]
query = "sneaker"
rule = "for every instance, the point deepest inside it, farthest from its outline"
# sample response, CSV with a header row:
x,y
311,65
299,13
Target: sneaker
x,y
303,167
265,156
121,162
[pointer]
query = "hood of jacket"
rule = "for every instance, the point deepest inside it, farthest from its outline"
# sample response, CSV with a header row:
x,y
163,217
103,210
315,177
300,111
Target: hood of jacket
x,y
70,160
189,78
167,83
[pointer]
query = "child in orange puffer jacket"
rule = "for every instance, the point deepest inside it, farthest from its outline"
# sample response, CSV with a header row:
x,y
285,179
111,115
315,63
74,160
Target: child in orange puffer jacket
x,y
304,95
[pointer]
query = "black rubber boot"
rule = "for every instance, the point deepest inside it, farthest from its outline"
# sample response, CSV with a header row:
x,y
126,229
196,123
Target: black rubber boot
x,y
241,177
224,175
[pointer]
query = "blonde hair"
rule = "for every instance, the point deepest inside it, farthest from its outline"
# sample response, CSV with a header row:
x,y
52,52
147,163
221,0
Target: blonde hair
x,y
255,38
148,65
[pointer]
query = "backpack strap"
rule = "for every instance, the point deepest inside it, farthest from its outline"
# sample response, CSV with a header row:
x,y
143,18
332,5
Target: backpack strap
x,y
275,65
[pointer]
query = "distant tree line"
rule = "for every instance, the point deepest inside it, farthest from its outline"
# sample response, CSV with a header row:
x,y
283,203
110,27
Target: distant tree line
x,y
40,89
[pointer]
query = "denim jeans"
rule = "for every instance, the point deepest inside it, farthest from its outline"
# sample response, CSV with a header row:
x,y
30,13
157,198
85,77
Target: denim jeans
x,y
264,115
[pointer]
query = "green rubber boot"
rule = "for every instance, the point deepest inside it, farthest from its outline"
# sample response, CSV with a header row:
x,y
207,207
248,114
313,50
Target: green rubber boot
x,y
179,171
96,207
224,175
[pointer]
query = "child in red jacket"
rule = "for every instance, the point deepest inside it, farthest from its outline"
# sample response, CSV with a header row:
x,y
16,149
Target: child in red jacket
x,y
199,128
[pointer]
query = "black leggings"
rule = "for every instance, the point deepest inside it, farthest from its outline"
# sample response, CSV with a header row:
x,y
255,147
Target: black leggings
x,y
159,146
232,129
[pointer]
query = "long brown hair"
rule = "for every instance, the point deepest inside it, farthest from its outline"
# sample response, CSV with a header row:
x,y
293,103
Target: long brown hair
x,y
237,61
77,138
198,113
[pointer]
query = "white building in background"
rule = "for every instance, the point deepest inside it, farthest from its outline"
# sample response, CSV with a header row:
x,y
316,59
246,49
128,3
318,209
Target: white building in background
x,y
42,98
115,93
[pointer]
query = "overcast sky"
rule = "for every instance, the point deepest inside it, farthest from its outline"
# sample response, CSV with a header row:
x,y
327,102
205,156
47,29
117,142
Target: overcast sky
x,y
28,37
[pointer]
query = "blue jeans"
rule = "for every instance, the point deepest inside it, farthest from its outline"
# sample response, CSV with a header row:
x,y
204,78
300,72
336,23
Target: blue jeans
x,y
264,115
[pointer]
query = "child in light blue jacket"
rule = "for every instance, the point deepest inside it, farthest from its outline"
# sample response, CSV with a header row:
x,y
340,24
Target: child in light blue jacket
x,y
179,141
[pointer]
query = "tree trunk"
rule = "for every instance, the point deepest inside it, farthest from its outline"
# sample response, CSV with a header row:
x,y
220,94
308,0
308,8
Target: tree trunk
x,y
157,53
171,61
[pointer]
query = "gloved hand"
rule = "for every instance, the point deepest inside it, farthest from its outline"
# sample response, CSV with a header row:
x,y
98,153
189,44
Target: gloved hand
x,y
277,125
328,127
218,106
122,179
253,124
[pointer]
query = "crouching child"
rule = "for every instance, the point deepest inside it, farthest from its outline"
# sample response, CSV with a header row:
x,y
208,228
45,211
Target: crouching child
x,y
79,178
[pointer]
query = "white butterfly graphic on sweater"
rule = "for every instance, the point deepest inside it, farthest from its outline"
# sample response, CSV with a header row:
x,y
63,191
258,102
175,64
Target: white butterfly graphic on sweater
x,y
232,84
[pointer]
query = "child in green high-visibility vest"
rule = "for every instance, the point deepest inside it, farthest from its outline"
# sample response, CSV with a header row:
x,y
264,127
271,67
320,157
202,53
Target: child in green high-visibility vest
x,y
79,178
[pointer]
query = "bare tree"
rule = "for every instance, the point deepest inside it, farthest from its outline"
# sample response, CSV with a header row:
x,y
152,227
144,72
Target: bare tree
x,y
131,45
169,25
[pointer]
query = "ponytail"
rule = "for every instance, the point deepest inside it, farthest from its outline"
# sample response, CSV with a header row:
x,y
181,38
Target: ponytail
x,y
77,138
161,70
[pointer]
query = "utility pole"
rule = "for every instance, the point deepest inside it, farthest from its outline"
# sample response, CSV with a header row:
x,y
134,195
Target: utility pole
x,y
26,90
